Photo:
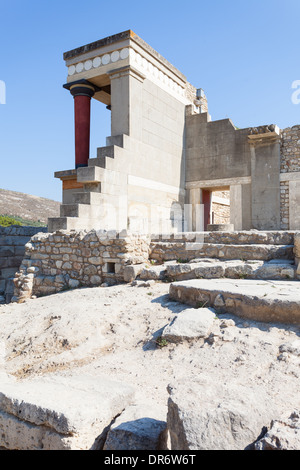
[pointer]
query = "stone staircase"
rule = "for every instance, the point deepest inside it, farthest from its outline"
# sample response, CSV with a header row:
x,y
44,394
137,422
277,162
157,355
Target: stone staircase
x,y
234,255
252,274
104,182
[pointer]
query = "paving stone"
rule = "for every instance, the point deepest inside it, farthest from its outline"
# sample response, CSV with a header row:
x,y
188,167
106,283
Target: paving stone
x,y
190,324
267,301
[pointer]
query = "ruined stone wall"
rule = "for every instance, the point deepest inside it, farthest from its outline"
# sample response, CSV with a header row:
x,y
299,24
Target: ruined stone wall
x,y
12,250
221,210
68,259
246,245
221,213
290,163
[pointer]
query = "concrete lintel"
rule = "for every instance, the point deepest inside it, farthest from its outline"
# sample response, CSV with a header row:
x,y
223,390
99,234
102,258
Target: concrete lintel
x,y
294,176
219,183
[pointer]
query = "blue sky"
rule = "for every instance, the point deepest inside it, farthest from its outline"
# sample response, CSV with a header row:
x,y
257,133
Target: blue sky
x,y
245,55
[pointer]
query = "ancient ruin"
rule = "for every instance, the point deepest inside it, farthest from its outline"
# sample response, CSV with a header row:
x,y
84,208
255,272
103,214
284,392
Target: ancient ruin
x,y
178,199
167,165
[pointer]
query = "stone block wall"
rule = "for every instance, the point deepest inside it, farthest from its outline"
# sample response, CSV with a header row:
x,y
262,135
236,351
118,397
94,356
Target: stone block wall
x,y
246,245
69,259
221,207
290,171
290,150
12,250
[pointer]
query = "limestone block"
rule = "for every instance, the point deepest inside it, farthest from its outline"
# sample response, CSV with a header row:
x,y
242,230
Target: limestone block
x,y
260,300
212,271
204,415
60,412
283,435
154,272
73,283
190,324
297,245
140,427
131,272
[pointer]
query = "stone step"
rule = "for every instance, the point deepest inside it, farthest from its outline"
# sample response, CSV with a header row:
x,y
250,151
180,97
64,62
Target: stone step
x,y
98,162
89,174
165,251
235,269
103,155
107,151
87,198
81,210
73,223
110,158
235,238
266,301
215,269
121,140
115,140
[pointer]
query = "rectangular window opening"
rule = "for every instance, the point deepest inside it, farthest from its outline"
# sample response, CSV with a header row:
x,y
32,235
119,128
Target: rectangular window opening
x,y
111,268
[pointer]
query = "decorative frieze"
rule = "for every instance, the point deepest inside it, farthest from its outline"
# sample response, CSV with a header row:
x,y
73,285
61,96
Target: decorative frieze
x,y
98,61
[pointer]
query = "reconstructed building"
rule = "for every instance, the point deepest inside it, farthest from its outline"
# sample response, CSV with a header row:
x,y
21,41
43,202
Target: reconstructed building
x,y
167,165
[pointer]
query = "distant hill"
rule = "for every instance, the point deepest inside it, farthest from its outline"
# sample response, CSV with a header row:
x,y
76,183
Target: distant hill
x,y
27,209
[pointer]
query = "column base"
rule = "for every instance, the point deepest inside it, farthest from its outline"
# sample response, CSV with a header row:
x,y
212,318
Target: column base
x,y
80,165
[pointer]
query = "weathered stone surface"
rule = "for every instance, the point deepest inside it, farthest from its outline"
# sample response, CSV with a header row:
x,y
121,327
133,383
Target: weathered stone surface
x,y
297,244
212,416
139,427
49,413
164,251
88,258
132,271
189,324
277,301
283,435
154,272
214,271
250,237
191,270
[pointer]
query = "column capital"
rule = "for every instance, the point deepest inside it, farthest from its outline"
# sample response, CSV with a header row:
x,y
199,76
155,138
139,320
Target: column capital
x,y
82,88
127,71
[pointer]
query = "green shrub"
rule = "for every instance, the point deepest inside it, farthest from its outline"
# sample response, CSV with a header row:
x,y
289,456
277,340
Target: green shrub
x,y
6,221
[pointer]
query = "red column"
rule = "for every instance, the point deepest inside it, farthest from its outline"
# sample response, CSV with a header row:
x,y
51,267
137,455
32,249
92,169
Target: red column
x,y
82,110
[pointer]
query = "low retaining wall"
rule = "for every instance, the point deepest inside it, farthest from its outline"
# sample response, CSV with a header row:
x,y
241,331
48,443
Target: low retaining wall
x,y
12,249
247,245
69,259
